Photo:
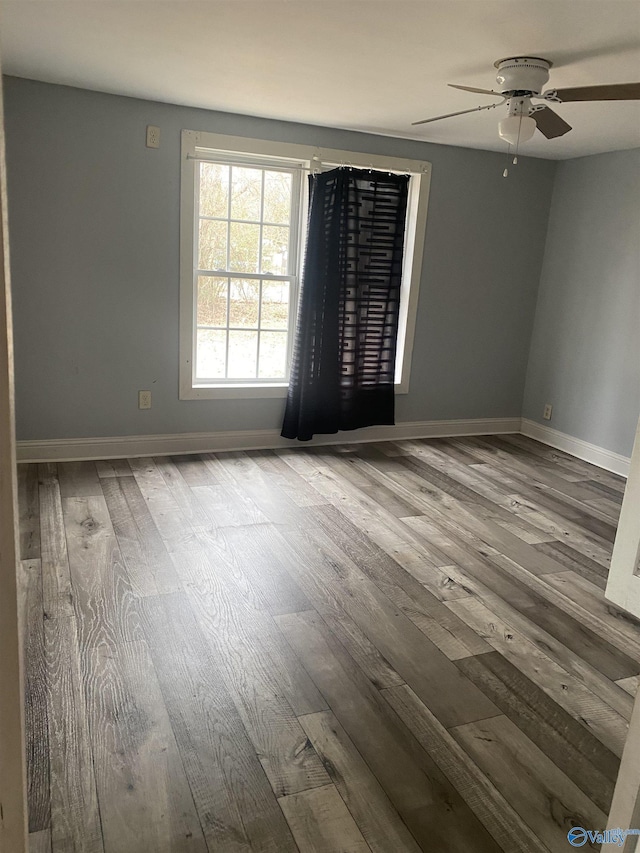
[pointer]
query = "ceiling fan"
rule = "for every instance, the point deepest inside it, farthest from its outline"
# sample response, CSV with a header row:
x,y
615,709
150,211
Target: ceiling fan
x,y
521,79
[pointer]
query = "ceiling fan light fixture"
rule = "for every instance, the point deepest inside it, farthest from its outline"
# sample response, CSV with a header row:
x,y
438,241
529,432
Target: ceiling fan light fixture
x,y
515,129
521,78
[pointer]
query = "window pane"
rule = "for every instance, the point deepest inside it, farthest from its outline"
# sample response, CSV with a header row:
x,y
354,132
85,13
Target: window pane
x,y
214,190
275,249
243,252
273,355
210,354
246,191
277,198
275,305
243,307
243,348
213,245
212,301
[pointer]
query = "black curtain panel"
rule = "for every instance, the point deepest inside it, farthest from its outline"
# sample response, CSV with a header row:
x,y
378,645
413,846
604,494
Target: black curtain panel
x,y
344,358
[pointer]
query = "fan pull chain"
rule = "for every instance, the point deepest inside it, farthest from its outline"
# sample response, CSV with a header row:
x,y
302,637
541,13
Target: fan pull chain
x,y
515,158
505,174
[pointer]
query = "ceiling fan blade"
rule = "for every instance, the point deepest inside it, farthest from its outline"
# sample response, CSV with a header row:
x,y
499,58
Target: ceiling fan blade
x,y
549,123
473,89
460,113
613,92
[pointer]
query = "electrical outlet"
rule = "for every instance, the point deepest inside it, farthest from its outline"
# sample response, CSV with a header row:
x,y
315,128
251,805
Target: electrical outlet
x,y
153,136
144,399
547,412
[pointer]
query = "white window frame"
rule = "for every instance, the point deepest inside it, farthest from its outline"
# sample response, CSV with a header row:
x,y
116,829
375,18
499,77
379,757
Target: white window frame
x,y
197,146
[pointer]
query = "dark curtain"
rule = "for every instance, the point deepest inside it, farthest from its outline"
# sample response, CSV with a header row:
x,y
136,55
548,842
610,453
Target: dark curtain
x,y
345,349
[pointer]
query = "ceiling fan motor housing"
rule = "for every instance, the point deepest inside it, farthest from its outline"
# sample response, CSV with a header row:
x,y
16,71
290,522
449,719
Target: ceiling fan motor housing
x,y
522,74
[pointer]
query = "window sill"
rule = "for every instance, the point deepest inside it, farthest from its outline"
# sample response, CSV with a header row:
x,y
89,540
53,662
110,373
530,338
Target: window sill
x,y
248,392
234,392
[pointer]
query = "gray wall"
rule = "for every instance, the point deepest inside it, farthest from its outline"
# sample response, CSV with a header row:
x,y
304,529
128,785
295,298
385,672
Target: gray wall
x,y
94,235
585,349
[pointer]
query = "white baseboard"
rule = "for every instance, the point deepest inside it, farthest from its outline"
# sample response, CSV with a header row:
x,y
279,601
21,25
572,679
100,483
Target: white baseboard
x,y
577,447
118,447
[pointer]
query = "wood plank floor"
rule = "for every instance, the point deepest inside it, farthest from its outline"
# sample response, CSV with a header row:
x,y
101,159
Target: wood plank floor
x,y
380,647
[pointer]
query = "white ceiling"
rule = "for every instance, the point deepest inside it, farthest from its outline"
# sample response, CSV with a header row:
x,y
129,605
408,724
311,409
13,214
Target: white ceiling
x,y
369,65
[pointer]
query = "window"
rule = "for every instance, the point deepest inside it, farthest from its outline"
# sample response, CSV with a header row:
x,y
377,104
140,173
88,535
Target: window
x,y
247,234
243,213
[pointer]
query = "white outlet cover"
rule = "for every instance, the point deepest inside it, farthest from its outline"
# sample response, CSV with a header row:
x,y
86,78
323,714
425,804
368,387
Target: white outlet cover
x,y
153,136
144,399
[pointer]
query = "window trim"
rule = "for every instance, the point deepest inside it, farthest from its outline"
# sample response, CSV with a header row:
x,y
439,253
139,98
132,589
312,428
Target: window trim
x,y
311,158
